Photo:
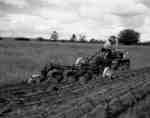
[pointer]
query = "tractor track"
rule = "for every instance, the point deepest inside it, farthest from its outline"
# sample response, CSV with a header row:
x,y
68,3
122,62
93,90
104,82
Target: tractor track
x,y
23,100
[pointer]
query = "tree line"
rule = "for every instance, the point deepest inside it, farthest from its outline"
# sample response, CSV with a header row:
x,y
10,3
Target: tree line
x,y
126,37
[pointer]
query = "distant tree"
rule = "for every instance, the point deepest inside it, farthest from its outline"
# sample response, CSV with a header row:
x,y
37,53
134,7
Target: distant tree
x,y
73,38
22,39
82,38
128,37
1,38
93,40
54,36
40,39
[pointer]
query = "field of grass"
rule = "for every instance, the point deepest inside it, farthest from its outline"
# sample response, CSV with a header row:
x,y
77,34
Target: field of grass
x,y
19,59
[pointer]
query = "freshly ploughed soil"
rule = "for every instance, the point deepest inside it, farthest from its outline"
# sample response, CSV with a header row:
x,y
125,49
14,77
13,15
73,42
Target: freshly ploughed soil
x,y
125,96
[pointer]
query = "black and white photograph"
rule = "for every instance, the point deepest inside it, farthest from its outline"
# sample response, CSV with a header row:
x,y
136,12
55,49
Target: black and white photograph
x,y
74,58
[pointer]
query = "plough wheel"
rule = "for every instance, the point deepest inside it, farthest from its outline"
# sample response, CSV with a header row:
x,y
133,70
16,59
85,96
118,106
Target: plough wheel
x,y
125,66
69,76
85,78
55,75
107,73
82,80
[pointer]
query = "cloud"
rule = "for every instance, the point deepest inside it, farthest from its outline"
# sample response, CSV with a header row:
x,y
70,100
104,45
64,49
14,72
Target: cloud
x,y
144,2
27,25
95,18
129,8
144,29
131,14
18,3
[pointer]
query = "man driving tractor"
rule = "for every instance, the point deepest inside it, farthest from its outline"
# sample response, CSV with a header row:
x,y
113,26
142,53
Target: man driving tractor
x,y
109,47
111,43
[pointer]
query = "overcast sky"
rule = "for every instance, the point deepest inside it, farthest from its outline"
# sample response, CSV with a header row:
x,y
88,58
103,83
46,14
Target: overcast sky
x,y
94,18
